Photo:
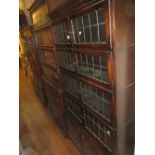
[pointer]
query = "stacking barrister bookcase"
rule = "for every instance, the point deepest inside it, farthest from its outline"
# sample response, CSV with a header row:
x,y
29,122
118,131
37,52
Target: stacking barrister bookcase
x,y
89,43
85,58
83,46
48,61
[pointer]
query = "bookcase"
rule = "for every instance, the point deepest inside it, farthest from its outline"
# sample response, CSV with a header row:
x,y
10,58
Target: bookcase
x,y
85,50
48,61
31,54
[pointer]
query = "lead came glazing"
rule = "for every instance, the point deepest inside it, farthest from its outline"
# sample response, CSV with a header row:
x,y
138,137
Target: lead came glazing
x,y
71,84
91,27
60,32
98,129
96,99
66,60
93,66
73,107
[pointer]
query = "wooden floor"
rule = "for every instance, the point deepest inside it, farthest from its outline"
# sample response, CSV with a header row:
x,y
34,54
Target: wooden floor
x,y
38,134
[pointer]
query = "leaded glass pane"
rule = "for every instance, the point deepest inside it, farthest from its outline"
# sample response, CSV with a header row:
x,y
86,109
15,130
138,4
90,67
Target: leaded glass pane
x,y
94,33
98,129
93,18
79,22
87,34
95,99
101,17
71,84
102,32
94,66
86,20
92,26
81,35
60,32
66,60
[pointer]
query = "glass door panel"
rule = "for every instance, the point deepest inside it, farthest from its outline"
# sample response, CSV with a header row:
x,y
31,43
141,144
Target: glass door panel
x,y
44,37
95,67
67,60
96,99
98,129
60,32
73,107
71,84
89,28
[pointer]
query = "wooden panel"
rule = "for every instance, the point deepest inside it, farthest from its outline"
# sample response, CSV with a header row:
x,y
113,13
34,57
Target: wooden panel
x,y
44,37
54,103
28,3
130,106
130,138
36,71
53,4
74,129
48,57
123,35
28,35
39,17
130,68
50,74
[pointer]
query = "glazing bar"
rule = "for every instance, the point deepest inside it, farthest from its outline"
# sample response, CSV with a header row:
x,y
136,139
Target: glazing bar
x,y
93,66
83,29
87,66
90,28
98,27
101,67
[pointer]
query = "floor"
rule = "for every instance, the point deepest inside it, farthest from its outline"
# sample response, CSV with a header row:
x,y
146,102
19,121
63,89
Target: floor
x,y
39,135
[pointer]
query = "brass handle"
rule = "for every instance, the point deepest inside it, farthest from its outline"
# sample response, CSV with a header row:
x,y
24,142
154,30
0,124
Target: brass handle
x,y
68,37
108,132
80,33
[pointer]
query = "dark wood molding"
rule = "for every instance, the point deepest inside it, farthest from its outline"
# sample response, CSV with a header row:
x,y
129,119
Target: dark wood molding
x,y
41,27
35,5
46,47
85,79
70,9
54,86
54,68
